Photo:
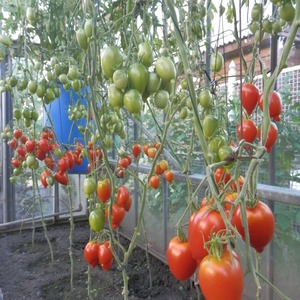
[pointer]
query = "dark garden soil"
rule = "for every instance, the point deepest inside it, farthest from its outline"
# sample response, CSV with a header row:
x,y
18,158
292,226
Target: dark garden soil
x,y
26,272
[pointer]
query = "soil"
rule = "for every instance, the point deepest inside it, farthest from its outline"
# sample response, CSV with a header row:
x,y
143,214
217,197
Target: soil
x,y
26,271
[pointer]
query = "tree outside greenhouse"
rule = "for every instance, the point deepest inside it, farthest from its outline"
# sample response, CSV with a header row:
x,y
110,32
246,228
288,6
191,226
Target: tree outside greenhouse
x,y
172,129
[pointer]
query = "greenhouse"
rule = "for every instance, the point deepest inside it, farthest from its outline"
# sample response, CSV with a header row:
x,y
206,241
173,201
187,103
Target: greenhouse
x,y
149,149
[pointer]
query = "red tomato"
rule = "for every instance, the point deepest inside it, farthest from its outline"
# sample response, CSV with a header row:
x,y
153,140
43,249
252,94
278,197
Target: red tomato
x,y
44,177
202,224
261,225
169,176
61,177
44,145
221,278
105,256
70,157
123,196
154,181
63,164
17,133
275,105
91,253
30,146
118,214
49,162
21,151
13,144
221,176
180,260
128,204
271,137
158,170
250,95
40,155
15,162
247,130
123,163
103,189
120,172
23,139
136,150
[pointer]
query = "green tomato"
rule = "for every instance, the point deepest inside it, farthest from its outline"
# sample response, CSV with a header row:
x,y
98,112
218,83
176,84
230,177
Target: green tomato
x,y
276,27
165,68
225,152
210,124
49,95
97,220
254,26
267,26
32,86
34,115
89,186
111,60
82,39
133,101
183,113
89,28
115,96
216,62
17,114
287,11
161,99
22,84
138,77
41,90
73,72
256,12
26,113
120,79
154,82
145,54
205,98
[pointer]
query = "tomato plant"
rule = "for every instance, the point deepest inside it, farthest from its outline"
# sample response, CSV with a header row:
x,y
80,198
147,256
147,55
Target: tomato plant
x,y
179,257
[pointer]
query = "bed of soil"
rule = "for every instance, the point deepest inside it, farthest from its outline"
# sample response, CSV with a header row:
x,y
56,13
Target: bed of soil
x,y
26,271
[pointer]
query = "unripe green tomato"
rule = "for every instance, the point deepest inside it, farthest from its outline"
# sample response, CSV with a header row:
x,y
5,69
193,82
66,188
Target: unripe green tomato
x,y
120,79
216,62
22,84
256,12
89,186
26,113
111,60
32,86
82,39
41,90
34,115
138,77
210,124
17,114
267,26
259,35
287,11
49,95
165,68
63,78
97,220
115,96
133,101
13,81
154,82
276,27
254,26
145,54
205,98
183,113
73,72
89,27
161,99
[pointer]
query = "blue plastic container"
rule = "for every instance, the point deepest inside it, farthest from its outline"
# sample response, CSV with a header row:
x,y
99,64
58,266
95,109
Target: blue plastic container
x,y
66,130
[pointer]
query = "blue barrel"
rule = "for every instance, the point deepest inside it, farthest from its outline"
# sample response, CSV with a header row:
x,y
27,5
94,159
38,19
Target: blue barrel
x,y
66,130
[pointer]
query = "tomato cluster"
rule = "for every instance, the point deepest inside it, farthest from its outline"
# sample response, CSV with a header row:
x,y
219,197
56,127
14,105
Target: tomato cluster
x,y
250,99
96,253
131,85
30,151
